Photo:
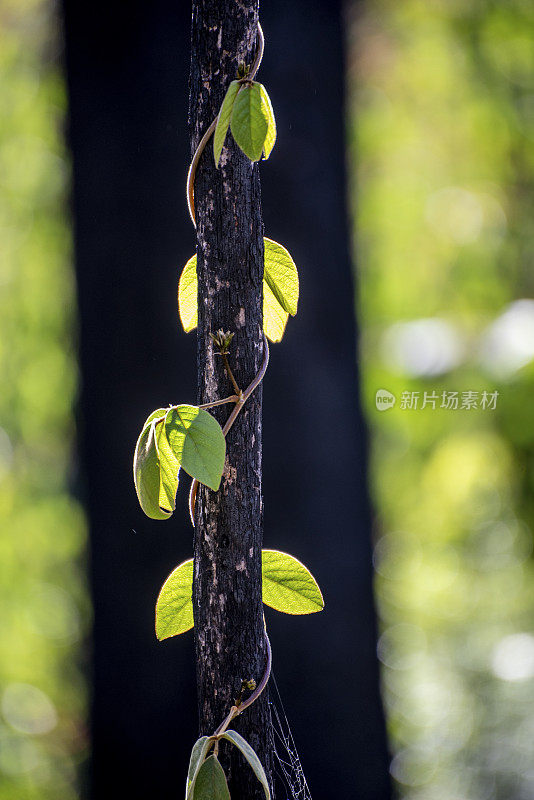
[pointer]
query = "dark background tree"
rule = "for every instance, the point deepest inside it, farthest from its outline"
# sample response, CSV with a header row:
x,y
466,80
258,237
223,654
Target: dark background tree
x,y
127,74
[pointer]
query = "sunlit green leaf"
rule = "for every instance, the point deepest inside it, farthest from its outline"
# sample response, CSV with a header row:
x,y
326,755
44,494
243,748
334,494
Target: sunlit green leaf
x,y
288,586
280,291
146,468
274,316
252,758
174,608
187,295
211,781
281,276
270,137
223,120
198,754
249,122
169,469
198,443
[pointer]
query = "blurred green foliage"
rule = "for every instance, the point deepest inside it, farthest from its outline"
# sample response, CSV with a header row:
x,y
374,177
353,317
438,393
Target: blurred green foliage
x,y
442,135
442,141
42,588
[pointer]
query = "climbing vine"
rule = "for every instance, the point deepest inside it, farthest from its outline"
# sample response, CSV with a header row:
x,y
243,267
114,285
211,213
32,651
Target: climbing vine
x,y
187,437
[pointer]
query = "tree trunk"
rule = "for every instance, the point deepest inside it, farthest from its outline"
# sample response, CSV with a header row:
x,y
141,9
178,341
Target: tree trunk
x,y
229,631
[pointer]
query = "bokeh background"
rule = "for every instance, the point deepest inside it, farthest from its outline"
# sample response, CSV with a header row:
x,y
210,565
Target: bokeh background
x,y
442,149
440,133
44,607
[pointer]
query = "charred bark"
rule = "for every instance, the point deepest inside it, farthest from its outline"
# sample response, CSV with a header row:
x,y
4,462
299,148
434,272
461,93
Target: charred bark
x,y
227,602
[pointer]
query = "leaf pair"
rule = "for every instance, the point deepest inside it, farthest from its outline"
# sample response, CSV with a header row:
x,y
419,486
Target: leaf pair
x,y
172,438
247,109
280,291
206,779
287,586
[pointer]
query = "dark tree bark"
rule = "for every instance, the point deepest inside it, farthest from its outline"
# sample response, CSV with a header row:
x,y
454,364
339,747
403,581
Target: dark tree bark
x,y
227,600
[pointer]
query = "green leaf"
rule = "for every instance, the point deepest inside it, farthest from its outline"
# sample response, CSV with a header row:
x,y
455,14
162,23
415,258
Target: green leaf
x,y
249,123
198,443
274,316
174,607
146,468
252,758
198,754
280,291
211,781
288,586
281,276
169,470
187,295
270,138
223,120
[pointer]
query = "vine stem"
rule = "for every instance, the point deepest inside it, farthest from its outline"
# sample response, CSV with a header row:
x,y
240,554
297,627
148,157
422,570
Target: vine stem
x,y
190,192
230,373
239,399
190,196
235,711
239,403
232,399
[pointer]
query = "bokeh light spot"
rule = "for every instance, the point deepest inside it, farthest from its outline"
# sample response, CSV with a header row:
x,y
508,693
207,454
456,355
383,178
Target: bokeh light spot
x,y
28,709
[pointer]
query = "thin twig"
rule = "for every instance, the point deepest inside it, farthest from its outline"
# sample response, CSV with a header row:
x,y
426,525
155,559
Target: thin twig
x,y
232,399
230,373
263,683
235,711
232,418
190,193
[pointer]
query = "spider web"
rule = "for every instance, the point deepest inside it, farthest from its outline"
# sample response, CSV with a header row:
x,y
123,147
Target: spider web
x,y
287,765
